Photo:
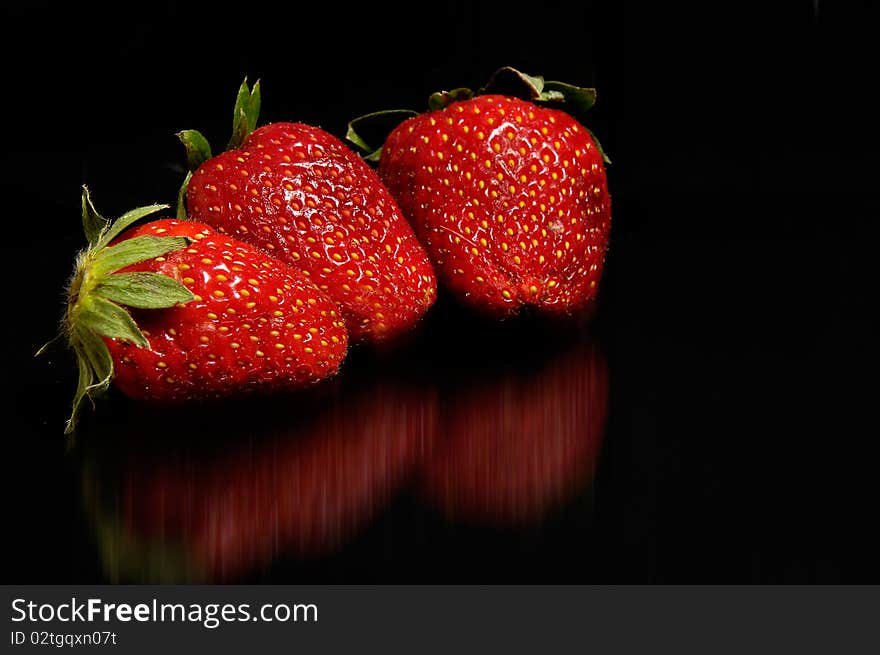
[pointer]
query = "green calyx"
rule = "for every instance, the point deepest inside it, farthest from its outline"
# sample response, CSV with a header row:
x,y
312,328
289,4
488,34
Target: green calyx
x,y
375,128
367,131
198,150
98,294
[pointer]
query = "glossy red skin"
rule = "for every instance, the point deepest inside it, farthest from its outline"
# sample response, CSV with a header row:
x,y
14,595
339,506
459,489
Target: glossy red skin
x,y
298,193
508,234
517,448
235,337
302,490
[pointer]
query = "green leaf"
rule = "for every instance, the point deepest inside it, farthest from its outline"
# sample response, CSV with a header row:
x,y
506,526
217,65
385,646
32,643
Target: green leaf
x,y
578,100
95,366
85,378
246,113
181,198
110,320
511,82
442,99
93,222
369,132
98,356
198,150
128,218
49,344
599,147
143,290
132,251
374,156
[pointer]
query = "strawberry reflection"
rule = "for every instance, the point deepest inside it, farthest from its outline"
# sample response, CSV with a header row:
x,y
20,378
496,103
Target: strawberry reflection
x,y
247,482
520,444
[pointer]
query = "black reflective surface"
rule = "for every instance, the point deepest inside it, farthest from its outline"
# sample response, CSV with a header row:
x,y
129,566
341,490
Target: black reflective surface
x,y
713,421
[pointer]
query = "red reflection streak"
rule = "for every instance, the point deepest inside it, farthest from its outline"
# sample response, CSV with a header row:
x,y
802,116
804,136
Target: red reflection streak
x,y
302,492
515,448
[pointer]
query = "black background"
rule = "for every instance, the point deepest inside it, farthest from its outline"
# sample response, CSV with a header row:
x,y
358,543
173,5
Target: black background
x,y
741,445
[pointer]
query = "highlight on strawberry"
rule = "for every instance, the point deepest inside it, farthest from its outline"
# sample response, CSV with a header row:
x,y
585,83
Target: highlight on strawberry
x,y
301,195
172,311
505,188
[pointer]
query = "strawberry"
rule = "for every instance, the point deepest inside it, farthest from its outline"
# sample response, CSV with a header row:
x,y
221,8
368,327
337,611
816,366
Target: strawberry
x,y
508,196
301,195
209,316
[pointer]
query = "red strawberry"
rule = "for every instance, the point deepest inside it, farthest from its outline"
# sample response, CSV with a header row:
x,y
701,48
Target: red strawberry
x,y
509,198
211,316
519,446
301,195
219,509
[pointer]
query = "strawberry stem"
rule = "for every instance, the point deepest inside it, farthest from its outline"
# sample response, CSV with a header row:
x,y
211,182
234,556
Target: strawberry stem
x,y
97,293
